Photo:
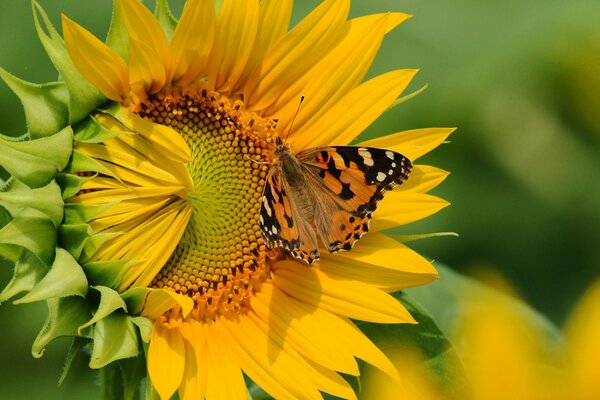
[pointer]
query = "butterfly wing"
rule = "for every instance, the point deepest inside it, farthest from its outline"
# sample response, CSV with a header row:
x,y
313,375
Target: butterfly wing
x,y
347,183
281,222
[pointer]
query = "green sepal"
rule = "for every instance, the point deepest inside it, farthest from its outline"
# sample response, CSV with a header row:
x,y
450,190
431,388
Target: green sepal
x,y
16,195
28,272
111,382
145,326
65,315
135,299
72,237
218,4
134,371
71,184
165,17
76,346
412,238
93,244
36,162
31,230
106,273
64,279
90,131
118,37
81,163
83,213
83,96
46,105
110,301
409,96
115,338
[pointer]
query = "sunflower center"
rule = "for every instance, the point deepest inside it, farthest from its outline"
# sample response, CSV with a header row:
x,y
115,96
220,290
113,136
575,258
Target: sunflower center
x,y
221,255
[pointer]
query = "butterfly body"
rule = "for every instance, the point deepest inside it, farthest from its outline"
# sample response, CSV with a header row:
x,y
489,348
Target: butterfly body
x,y
331,191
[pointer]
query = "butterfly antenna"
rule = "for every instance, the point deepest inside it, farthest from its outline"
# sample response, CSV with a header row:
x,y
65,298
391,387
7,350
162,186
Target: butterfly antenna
x,y
294,119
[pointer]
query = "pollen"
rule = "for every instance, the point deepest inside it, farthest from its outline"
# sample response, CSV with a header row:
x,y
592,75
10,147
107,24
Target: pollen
x,y
221,256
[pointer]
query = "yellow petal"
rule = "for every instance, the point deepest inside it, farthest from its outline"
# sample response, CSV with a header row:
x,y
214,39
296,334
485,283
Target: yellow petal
x,y
143,27
354,112
192,41
423,178
193,385
98,63
380,250
344,297
401,208
334,76
583,331
388,279
412,144
297,52
166,359
146,72
237,24
159,301
301,330
273,21
224,376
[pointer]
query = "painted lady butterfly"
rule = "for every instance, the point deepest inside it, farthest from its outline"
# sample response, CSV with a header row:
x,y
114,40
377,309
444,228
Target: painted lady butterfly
x,y
330,190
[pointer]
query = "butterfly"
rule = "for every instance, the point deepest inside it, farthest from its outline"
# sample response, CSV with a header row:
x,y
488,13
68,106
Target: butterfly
x,y
332,191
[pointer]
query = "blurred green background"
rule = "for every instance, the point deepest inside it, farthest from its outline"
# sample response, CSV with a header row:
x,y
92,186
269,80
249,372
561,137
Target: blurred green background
x,y
520,80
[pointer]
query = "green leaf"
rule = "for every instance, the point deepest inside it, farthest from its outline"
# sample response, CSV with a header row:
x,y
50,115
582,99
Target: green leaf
x,y
76,346
65,315
118,37
28,272
115,338
35,162
65,278
83,96
441,358
47,199
110,301
443,299
31,230
165,17
46,106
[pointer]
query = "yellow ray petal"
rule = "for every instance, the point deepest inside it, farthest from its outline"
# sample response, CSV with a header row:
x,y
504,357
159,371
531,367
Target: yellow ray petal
x,y
143,27
583,330
98,63
166,359
193,385
381,250
400,208
297,52
224,376
354,112
334,76
349,298
303,333
412,144
192,41
160,301
146,71
237,24
388,279
109,195
423,178
146,212
273,22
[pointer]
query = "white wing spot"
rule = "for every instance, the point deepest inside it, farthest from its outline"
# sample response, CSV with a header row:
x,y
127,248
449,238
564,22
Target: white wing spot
x,y
390,154
380,177
274,230
390,172
262,220
266,204
393,165
366,155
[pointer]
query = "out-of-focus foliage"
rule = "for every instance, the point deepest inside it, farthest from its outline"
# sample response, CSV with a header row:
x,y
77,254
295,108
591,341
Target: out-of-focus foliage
x,y
521,81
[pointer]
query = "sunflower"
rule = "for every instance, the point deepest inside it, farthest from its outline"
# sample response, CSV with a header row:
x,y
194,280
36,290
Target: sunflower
x,y
168,143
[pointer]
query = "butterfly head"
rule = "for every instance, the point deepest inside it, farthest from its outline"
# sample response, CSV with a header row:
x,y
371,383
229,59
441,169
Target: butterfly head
x,y
281,148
